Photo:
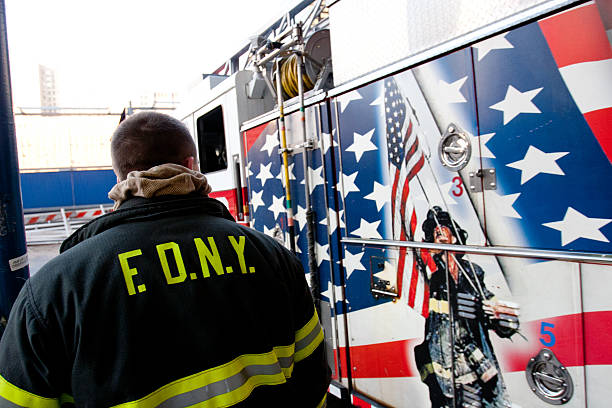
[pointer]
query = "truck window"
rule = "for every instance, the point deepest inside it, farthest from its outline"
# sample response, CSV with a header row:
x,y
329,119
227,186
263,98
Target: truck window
x,y
211,141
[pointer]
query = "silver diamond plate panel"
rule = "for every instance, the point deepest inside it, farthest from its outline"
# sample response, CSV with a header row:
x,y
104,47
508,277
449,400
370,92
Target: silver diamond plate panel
x,y
367,35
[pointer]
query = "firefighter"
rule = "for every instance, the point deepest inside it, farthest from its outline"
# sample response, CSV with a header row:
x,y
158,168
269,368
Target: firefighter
x,y
471,311
165,301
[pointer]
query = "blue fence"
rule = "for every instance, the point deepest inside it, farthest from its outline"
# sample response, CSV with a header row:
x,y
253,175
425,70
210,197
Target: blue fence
x,y
66,188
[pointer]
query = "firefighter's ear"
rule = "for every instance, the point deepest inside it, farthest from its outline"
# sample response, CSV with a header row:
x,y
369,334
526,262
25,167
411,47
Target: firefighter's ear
x,y
189,162
453,239
117,175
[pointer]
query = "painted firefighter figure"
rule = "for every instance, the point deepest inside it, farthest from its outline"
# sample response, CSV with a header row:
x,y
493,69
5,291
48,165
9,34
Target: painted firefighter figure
x,y
473,312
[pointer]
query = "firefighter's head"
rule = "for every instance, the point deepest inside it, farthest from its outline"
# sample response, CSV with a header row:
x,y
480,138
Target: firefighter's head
x,y
441,229
148,139
443,235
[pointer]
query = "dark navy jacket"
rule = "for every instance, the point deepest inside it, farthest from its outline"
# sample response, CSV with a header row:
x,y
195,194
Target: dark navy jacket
x,y
165,302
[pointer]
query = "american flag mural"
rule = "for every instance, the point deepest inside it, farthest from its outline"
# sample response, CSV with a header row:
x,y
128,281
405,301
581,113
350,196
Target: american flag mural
x,y
267,187
511,94
538,111
388,191
266,198
544,96
406,159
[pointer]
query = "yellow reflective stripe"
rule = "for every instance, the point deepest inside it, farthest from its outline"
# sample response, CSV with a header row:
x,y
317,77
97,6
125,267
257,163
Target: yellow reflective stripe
x,y
284,351
437,369
243,392
308,337
305,331
221,373
24,398
307,350
425,371
323,402
66,399
438,306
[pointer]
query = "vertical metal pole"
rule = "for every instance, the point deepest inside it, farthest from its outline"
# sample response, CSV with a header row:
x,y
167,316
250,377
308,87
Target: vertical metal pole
x,y
13,252
66,222
310,215
452,329
289,205
300,81
241,208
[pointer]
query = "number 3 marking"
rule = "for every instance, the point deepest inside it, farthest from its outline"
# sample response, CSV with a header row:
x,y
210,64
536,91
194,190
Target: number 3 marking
x,y
459,186
551,336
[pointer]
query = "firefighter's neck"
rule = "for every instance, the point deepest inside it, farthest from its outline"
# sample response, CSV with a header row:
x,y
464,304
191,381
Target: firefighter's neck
x,y
451,264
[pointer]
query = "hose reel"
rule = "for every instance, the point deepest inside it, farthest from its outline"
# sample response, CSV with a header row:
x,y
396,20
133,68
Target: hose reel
x,y
289,78
317,52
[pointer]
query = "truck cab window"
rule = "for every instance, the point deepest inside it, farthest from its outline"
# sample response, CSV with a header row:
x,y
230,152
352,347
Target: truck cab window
x,y
211,141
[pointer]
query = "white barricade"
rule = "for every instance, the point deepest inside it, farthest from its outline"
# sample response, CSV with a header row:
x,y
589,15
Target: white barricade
x,y
55,226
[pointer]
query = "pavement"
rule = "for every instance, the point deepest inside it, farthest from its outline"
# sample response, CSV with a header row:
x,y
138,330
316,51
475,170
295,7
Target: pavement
x,y
39,255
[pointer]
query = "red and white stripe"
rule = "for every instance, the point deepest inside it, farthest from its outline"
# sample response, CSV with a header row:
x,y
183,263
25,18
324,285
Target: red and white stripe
x,y
363,402
56,216
405,219
579,44
391,361
382,354
396,358
358,402
30,219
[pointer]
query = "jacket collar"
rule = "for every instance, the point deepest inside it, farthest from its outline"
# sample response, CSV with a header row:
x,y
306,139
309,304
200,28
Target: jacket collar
x,y
142,209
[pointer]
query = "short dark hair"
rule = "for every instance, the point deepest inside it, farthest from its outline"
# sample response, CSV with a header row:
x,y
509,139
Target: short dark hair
x,y
148,139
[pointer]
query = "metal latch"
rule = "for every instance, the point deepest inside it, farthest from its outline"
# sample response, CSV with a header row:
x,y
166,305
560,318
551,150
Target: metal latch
x,y
455,148
483,177
549,379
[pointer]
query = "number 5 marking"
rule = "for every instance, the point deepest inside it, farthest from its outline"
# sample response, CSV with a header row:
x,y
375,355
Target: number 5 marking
x,y
459,186
551,336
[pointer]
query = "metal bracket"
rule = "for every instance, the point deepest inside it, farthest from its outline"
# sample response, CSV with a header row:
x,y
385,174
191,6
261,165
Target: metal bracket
x,y
483,177
277,234
324,80
380,287
309,144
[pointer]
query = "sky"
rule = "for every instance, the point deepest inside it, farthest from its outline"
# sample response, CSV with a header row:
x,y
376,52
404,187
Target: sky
x,y
106,53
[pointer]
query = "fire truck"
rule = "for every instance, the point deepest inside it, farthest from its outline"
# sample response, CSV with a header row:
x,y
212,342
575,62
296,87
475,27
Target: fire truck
x,y
441,169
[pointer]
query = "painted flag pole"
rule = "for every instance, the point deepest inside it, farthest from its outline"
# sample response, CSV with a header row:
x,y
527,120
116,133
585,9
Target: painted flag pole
x,y
13,252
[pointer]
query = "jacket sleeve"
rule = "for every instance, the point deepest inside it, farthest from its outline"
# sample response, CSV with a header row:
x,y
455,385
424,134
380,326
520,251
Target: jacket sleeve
x,y
311,372
495,324
25,359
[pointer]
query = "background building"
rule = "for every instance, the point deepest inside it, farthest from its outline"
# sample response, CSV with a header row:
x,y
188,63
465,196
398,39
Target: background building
x,y
64,152
48,90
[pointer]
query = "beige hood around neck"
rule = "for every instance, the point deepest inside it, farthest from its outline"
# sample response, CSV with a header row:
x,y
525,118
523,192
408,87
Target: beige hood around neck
x,y
165,179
